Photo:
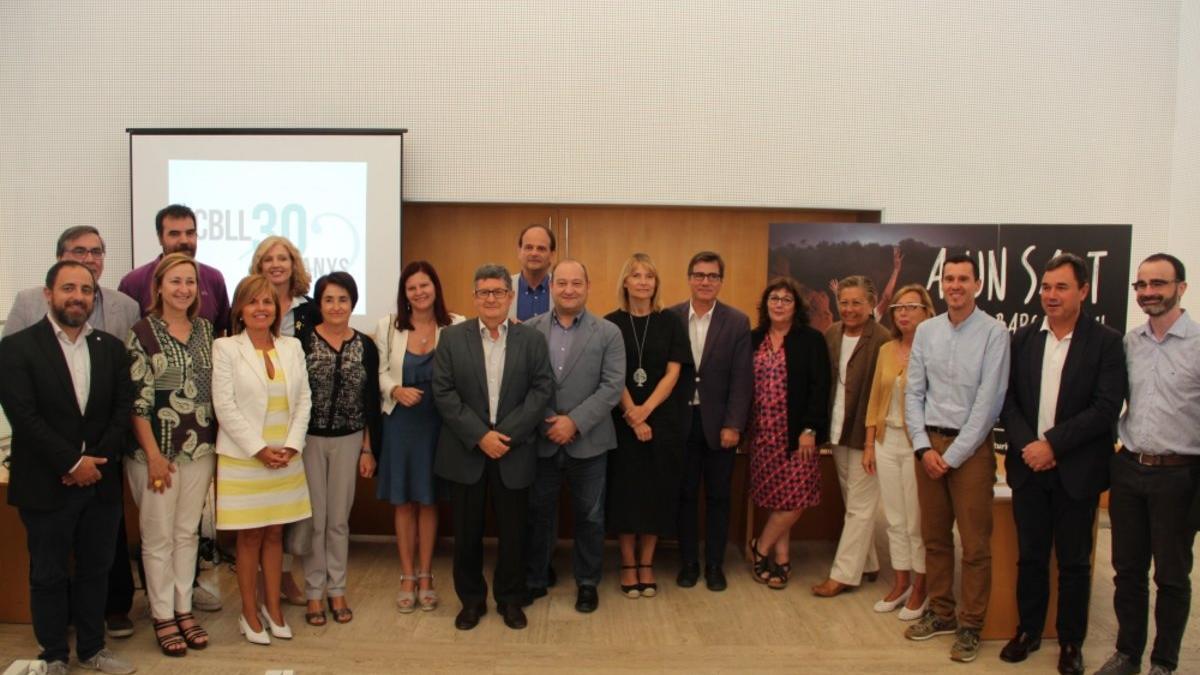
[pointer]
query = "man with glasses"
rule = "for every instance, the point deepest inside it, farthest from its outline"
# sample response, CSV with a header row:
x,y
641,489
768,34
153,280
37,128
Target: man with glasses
x,y
718,387
1065,392
957,378
114,313
492,383
1156,472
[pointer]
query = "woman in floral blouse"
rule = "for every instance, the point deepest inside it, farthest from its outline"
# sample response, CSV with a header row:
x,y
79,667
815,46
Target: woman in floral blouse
x,y
171,467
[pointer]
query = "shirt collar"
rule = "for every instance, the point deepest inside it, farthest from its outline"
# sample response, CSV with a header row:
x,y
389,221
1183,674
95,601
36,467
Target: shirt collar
x,y
1182,328
693,315
543,287
483,330
1046,329
574,324
62,334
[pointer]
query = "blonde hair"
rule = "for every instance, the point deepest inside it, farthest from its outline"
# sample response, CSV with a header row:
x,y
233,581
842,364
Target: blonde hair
x,y
166,264
301,279
858,281
247,290
926,302
643,260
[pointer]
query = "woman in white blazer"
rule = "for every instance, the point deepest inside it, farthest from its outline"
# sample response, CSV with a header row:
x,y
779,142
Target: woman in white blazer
x,y
411,423
261,397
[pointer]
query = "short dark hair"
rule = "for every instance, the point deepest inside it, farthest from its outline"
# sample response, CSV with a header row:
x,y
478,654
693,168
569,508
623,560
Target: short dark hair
x,y
959,258
73,233
1180,274
1078,266
52,274
549,232
800,318
441,315
493,271
707,256
177,211
340,279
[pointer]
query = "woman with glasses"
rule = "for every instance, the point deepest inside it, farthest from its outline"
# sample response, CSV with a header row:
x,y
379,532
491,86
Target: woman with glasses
x,y
788,420
888,452
645,468
853,344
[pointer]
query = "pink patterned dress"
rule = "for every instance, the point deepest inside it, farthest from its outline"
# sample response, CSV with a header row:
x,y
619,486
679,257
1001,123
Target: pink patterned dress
x,y
780,480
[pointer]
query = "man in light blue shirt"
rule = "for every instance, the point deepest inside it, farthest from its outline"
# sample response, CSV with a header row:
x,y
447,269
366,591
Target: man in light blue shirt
x,y
957,378
1155,475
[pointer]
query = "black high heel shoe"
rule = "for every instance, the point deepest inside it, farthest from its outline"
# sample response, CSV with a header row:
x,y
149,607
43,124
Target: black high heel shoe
x,y
631,591
651,589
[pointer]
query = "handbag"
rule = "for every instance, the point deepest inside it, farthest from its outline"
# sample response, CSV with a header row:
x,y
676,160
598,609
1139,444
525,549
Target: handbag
x,y
297,537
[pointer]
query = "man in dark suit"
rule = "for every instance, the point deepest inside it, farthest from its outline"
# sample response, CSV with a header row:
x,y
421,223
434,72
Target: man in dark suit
x,y
719,387
1066,386
67,393
491,383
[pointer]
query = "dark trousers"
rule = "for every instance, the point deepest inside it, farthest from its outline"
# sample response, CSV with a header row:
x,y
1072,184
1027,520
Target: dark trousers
x,y
86,527
511,510
1047,517
120,575
713,467
586,478
1148,507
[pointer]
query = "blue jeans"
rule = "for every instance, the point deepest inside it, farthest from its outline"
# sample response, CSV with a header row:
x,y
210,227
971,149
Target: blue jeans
x,y
586,478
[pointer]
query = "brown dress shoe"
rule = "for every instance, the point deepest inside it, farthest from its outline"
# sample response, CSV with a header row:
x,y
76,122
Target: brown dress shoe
x,y
829,588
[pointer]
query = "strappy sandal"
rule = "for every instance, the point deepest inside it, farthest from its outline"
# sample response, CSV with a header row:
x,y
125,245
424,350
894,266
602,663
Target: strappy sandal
x,y
316,618
172,643
341,614
632,591
195,635
427,598
761,567
406,601
779,576
649,590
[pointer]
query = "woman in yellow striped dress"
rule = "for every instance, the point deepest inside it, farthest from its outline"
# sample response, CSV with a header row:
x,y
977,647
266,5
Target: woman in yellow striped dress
x,y
261,397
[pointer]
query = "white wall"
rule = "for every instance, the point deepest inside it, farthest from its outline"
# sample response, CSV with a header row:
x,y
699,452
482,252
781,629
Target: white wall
x,y
985,111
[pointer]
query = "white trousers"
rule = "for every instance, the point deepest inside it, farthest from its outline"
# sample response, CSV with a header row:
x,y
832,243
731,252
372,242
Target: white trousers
x,y
896,467
860,492
170,523
331,465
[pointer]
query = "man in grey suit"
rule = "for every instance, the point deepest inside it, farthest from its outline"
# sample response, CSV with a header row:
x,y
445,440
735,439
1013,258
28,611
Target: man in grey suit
x,y
587,355
491,383
719,387
113,312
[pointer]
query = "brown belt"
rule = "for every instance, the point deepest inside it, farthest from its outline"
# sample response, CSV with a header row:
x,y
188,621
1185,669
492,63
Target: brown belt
x,y
943,431
1161,460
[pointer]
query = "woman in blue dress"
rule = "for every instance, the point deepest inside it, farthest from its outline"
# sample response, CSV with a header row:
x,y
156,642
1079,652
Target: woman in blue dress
x,y
406,341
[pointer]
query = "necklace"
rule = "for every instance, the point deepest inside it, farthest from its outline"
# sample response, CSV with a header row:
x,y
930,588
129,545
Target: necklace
x,y
639,375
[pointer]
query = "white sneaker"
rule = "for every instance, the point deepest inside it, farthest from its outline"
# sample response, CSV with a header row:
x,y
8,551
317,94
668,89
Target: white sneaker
x,y
108,662
907,614
205,600
885,606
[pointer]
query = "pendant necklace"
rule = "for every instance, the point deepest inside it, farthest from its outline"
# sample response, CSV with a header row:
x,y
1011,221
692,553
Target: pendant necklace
x,y
639,375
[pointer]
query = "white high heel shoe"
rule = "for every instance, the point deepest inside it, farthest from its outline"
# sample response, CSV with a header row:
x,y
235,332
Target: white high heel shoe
x,y
259,638
283,632
885,606
907,614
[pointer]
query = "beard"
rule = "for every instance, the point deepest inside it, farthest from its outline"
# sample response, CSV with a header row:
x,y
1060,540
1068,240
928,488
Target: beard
x,y
184,248
1165,304
71,314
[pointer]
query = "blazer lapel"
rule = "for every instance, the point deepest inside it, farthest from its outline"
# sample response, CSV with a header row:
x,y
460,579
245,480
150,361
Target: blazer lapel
x,y
1079,344
99,370
251,357
475,347
1033,379
716,323
58,362
512,353
586,330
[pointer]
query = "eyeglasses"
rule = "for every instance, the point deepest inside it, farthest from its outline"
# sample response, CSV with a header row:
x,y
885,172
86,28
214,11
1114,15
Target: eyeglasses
x,y
907,306
780,300
1156,284
710,276
485,293
81,252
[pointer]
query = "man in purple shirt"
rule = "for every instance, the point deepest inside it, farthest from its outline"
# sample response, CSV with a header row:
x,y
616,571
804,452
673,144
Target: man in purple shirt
x,y
176,228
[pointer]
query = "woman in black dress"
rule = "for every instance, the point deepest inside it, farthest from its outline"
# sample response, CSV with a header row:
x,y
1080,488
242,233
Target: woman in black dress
x,y
644,469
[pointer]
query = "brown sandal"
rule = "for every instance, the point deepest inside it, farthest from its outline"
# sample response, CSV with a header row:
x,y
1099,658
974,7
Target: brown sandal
x,y
195,635
171,643
340,614
316,618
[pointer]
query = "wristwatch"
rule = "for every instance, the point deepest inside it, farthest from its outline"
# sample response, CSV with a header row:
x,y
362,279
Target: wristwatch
x,y
920,451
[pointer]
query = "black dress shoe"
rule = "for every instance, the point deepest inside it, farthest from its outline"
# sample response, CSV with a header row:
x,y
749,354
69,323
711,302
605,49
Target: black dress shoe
x,y
714,578
587,600
1070,660
514,617
551,576
1020,647
689,574
533,594
468,617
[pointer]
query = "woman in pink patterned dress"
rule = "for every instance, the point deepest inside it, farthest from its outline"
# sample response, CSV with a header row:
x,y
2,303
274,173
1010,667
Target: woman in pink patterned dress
x,y
788,422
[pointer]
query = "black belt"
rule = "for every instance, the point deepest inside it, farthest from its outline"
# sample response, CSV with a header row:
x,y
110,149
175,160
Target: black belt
x,y
941,431
1170,459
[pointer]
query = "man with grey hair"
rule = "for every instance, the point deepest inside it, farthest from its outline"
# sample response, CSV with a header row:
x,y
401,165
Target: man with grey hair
x,y
492,383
